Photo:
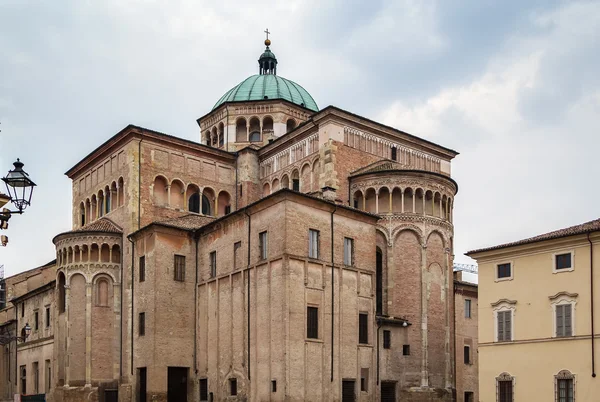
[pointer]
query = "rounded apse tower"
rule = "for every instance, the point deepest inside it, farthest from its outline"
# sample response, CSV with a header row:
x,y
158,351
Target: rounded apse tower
x,y
414,266
88,318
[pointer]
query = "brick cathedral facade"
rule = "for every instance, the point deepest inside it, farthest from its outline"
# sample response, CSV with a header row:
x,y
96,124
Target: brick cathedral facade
x,y
294,253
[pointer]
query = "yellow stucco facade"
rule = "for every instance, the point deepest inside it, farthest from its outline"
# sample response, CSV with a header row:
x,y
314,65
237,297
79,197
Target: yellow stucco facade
x,y
535,317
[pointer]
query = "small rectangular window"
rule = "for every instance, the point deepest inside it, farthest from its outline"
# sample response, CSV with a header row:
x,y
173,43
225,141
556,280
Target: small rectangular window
x,y
236,247
296,184
394,153
364,379
363,328
262,244
348,251
36,377
469,396
204,389
23,375
273,385
563,261
233,386
35,320
47,316
564,325
23,309
313,243
213,264
504,323
504,271
142,324
467,355
48,380
387,339
406,350
227,209
142,269
312,322
179,268
467,308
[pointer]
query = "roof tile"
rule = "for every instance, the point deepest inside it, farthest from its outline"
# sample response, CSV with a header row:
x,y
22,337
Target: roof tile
x,y
586,227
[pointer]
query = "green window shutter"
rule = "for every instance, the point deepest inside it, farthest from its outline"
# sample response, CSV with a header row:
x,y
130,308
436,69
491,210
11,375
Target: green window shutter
x,y
507,326
500,325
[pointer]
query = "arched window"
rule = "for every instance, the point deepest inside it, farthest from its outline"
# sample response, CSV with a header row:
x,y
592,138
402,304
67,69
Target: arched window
x,y
379,274
194,203
255,136
240,130
291,124
205,205
120,192
108,200
82,213
564,386
62,302
102,292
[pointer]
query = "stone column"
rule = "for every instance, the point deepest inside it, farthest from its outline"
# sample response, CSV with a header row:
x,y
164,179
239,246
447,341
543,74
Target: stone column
x,y
66,317
88,335
391,202
377,202
168,194
425,346
402,199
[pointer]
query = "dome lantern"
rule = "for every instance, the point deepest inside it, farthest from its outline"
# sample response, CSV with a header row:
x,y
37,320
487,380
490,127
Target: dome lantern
x,y
267,62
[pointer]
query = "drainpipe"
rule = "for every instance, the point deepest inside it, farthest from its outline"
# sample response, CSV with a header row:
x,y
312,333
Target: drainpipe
x,y
139,181
592,303
378,328
332,289
236,180
121,324
197,238
16,384
132,296
248,291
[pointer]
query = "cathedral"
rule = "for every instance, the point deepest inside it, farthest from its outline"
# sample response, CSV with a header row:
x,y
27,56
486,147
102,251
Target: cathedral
x,y
293,254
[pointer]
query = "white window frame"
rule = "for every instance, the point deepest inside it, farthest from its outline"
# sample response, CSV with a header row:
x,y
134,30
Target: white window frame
x,y
558,271
470,310
505,305
559,299
508,278
349,252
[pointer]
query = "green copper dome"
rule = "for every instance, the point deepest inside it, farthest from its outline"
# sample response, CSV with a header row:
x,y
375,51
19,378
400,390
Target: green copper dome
x,y
268,86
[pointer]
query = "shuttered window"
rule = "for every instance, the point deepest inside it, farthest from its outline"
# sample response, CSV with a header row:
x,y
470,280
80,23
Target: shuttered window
x,y
204,389
505,391
348,251
213,264
388,391
312,322
262,244
142,269
564,320
348,392
313,243
504,326
363,328
387,339
179,271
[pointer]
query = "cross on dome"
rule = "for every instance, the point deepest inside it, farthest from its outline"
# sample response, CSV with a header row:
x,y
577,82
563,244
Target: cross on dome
x,y
267,62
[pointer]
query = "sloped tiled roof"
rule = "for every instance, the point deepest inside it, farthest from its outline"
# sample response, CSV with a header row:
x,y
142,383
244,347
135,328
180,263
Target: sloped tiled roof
x,y
379,166
586,227
104,225
187,222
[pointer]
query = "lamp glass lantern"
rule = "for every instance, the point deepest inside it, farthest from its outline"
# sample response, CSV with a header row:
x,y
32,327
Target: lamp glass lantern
x,y
27,330
19,186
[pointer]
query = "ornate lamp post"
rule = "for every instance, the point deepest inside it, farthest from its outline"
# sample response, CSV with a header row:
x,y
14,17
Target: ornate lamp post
x,y
7,338
19,186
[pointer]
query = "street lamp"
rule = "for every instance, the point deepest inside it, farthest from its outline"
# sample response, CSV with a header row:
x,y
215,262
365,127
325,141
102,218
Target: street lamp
x,y
19,186
7,338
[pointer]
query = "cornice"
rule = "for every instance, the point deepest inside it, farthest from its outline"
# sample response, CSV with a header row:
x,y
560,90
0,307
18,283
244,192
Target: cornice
x,y
506,301
563,293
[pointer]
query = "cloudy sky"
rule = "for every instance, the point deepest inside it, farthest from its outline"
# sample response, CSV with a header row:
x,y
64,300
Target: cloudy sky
x,y
512,85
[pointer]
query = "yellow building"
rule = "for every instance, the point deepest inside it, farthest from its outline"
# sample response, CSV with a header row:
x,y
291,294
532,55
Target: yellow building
x,y
538,302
